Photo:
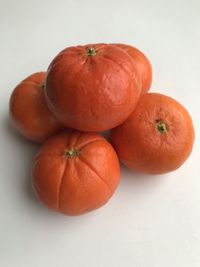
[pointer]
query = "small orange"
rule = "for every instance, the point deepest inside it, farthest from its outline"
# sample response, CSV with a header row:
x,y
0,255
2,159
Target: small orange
x,y
142,65
157,137
29,111
87,83
75,172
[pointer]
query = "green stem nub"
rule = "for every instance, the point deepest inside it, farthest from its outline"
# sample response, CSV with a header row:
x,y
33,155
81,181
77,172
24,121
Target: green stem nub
x,y
162,127
91,52
72,153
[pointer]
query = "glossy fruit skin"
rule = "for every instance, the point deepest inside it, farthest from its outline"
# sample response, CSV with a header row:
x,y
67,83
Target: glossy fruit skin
x,y
92,93
140,144
29,112
79,184
142,65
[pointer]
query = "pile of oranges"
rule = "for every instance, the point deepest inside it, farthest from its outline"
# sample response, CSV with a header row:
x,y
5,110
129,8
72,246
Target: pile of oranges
x,y
89,89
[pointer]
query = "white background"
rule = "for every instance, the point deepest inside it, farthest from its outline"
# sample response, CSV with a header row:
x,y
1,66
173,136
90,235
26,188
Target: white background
x,y
150,221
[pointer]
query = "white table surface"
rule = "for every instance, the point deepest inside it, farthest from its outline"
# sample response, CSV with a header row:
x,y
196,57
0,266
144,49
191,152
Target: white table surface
x,y
150,221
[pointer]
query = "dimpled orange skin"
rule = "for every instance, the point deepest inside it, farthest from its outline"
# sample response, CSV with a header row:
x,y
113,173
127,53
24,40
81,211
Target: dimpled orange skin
x,y
93,87
158,136
29,111
142,65
75,172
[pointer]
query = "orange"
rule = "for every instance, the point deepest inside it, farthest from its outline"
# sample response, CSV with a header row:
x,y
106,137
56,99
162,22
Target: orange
x,y
142,64
29,111
93,87
75,172
157,137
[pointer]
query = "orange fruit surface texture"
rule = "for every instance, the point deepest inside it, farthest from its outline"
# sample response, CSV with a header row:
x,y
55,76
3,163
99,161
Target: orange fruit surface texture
x,y
29,111
75,172
158,136
142,65
93,87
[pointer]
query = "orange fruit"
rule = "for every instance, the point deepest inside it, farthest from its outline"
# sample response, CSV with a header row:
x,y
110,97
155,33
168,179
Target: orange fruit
x,y
86,83
75,172
142,64
29,112
157,137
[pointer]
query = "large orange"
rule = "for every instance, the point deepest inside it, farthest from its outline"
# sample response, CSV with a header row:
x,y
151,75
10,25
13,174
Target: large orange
x,y
75,172
157,137
93,87
142,65
29,111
